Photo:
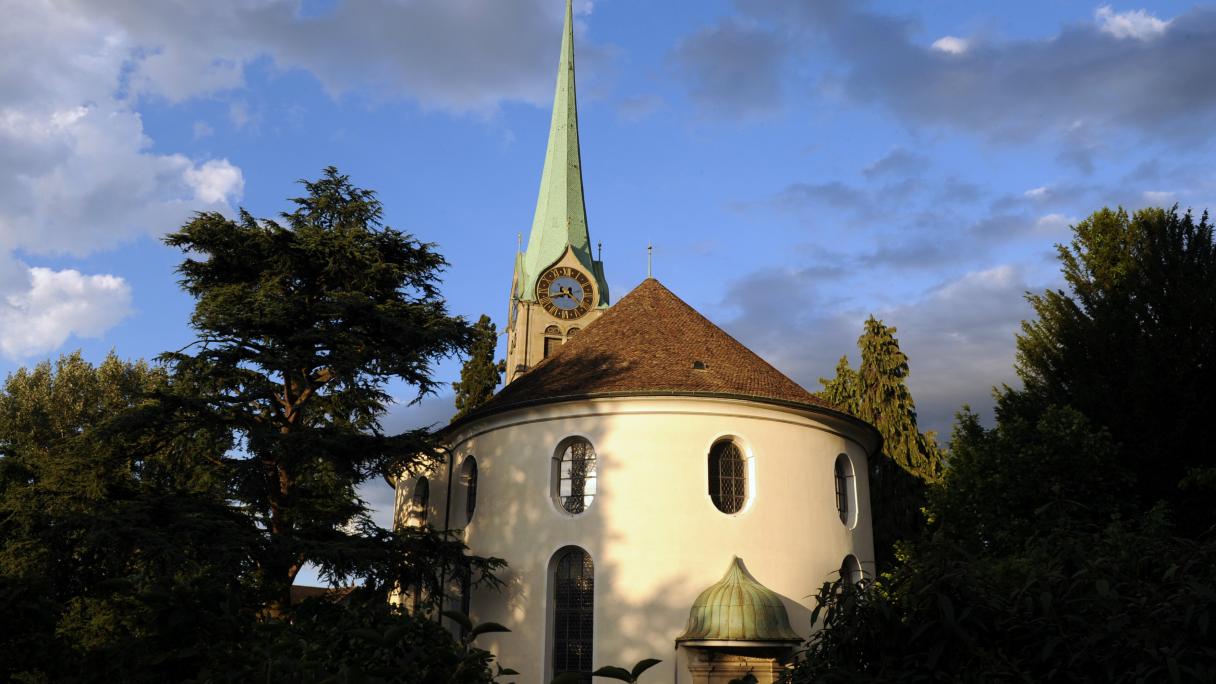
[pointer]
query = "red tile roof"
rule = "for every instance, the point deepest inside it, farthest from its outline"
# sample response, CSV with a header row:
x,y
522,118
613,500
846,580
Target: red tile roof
x,y
651,342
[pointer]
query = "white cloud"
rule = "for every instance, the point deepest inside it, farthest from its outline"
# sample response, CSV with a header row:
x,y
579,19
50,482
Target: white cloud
x,y
959,336
78,179
952,45
215,181
55,305
1160,198
1053,224
1136,24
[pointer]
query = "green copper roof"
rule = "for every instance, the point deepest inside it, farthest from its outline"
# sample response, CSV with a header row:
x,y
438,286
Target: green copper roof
x,y
561,216
738,609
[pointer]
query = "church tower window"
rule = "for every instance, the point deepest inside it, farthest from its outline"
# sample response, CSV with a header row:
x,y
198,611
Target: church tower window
x,y
846,493
573,613
727,476
553,340
574,476
468,478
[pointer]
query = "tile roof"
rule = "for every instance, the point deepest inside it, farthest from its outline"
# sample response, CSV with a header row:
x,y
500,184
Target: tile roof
x,y
651,342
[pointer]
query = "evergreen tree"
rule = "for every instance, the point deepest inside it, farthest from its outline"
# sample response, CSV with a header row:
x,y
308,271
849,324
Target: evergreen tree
x,y
1056,552
300,326
877,393
842,391
480,374
886,402
1131,345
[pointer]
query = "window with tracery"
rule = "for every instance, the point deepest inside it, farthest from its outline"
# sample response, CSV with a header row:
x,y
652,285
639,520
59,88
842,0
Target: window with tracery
x,y
727,476
575,476
573,604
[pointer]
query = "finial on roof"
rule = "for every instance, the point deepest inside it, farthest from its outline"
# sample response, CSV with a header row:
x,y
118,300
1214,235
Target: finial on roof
x,y
649,260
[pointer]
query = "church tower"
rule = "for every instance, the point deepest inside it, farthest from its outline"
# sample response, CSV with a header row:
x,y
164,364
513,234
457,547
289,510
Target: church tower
x,y
558,286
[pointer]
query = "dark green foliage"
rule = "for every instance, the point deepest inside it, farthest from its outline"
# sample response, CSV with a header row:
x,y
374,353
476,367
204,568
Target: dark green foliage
x,y
118,560
300,326
152,520
1038,464
621,674
480,374
360,638
1130,345
1123,603
877,393
1072,541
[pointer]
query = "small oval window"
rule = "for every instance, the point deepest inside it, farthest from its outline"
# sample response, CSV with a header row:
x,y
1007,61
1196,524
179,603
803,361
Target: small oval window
x,y
727,476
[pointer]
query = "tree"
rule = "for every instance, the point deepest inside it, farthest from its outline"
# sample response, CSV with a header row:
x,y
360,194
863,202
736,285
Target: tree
x,y
300,327
842,391
1131,344
1072,540
877,393
119,558
480,374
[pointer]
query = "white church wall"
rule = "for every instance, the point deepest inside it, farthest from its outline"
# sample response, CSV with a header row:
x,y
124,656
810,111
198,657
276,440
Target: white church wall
x,y
652,531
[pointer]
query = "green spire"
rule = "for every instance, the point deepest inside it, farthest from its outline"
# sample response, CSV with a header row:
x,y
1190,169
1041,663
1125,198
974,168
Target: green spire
x,y
739,610
561,217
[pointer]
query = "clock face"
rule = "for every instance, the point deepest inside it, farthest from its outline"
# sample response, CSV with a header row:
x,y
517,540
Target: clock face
x,y
564,292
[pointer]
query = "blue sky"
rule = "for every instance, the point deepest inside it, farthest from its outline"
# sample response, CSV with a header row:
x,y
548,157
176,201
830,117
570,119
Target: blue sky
x,y
798,164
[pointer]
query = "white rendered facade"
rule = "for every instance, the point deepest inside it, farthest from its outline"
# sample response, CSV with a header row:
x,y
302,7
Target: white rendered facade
x,y
655,537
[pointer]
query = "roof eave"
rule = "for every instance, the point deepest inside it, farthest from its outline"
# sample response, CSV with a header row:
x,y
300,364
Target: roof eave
x,y
873,447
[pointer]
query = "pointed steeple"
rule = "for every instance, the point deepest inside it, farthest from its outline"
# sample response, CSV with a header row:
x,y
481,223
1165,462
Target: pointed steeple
x,y
561,216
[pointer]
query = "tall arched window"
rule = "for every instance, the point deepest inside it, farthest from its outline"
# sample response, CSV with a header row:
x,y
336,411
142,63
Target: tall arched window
x,y
468,478
727,476
420,501
573,612
574,476
846,492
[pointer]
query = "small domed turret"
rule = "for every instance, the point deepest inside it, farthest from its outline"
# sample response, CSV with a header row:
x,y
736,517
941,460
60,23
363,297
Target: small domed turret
x,y
738,611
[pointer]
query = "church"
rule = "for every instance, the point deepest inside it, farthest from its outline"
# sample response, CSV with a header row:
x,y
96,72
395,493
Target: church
x,y
658,489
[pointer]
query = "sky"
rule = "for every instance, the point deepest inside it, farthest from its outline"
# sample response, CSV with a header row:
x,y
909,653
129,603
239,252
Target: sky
x,y
798,165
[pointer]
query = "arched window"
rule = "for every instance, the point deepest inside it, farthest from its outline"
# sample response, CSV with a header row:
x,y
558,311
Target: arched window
x,y
574,475
570,333
850,570
846,492
573,612
553,339
420,501
468,478
727,476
